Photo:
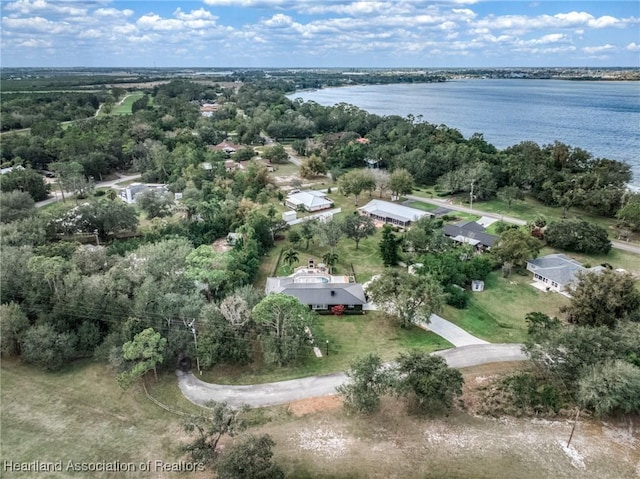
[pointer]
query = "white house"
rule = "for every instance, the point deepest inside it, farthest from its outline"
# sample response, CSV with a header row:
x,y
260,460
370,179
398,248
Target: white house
x,y
128,193
555,272
310,200
392,213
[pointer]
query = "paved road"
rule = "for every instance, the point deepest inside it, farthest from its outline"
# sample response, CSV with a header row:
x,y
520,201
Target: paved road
x,y
271,394
449,331
57,196
621,245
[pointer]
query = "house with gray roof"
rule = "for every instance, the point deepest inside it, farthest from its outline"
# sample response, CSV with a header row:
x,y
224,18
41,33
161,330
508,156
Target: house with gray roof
x,y
555,272
310,200
392,213
470,232
319,290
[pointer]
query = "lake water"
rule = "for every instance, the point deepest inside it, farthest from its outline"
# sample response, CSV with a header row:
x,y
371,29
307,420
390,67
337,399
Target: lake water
x,y
600,117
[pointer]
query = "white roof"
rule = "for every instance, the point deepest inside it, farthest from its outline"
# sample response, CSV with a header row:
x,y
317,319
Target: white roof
x,y
310,198
393,210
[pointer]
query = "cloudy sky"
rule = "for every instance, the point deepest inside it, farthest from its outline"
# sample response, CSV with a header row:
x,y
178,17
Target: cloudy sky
x,y
322,33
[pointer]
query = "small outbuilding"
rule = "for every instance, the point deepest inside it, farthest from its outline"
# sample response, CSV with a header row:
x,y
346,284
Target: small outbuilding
x,y
477,286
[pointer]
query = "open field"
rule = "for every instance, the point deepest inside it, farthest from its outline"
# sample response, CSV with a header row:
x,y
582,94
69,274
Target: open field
x,y
350,337
82,415
124,106
497,314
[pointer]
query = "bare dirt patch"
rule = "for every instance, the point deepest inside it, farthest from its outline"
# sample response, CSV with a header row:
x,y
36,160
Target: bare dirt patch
x,y
221,245
313,405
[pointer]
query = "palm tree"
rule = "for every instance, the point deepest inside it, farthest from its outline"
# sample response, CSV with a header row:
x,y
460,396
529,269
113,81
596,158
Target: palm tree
x,y
330,258
290,257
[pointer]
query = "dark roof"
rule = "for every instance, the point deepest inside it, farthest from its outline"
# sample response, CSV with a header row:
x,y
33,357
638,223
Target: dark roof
x,y
326,293
471,226
476,237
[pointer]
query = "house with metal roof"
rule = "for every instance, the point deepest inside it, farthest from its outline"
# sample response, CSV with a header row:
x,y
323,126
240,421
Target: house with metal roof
x,y
128,193
392,213
470,232
556,271
310,200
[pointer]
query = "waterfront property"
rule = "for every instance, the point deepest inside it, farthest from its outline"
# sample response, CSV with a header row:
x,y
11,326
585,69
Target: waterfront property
x,y
392,213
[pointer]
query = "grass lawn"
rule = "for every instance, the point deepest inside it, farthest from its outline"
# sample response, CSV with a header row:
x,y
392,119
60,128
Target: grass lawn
x,y
82,415
350,337
419,205
124,108
497,314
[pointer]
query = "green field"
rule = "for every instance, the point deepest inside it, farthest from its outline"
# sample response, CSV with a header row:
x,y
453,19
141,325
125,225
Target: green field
x,y
124,106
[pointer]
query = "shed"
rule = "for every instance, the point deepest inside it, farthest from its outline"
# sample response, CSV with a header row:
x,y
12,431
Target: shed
x,y
289,215
477,286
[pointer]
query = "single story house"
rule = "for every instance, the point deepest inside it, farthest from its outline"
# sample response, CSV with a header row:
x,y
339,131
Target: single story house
x,y
556,271
392,213
310,200
470,232
128,193
324,296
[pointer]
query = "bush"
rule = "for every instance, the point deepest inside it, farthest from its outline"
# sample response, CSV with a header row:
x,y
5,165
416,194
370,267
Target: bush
x,y
578,235
456,297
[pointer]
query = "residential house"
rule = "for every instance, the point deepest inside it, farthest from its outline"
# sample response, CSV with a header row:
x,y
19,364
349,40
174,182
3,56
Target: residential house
x,y
310,200
392,213
556,272
320,296
128,193
470,232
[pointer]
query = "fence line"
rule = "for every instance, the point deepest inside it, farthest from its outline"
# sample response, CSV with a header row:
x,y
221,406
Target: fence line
x,y
163,406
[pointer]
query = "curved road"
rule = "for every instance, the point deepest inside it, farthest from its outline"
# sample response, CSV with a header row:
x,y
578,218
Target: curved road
x,y
271,394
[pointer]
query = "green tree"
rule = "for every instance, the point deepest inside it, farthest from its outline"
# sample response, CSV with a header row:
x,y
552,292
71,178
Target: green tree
x,y
629,212
401,183
313,166
308,230
355,182
43,346
282,320
330,232
382,178
610,387
155,203
103,216
577,235
250,458
516,246
27,180
428,380
509,194
369,379
13,324
70,175
389,247
208,267
275,154
209,427
358,227
290,257
16,205
330,258
603,299
145,352
408,297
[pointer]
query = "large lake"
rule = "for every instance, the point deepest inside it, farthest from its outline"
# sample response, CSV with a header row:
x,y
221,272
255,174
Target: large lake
x,y
600,117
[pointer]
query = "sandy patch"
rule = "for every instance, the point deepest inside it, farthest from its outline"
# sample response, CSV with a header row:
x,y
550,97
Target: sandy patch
x,y
312,405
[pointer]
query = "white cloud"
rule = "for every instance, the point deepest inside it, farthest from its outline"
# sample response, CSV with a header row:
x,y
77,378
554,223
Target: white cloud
x,y
598,49
200,14
34,43
28,7
113,12
633,47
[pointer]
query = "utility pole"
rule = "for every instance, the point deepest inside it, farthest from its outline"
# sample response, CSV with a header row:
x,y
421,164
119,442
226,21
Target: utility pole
x,y
471,194
195,341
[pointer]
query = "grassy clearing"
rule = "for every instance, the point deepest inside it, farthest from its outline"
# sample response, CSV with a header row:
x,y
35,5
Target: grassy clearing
x,y
497,314
350,337
124,107
422,206
82,415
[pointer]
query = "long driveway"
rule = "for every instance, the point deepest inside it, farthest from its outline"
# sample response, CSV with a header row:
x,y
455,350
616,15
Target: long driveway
x,y
621,245
271,394
449,331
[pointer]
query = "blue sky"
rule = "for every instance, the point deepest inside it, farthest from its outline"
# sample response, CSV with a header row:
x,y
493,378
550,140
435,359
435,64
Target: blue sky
x,y
319,33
